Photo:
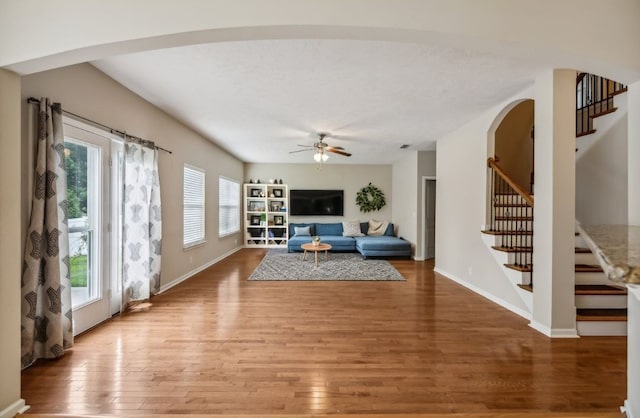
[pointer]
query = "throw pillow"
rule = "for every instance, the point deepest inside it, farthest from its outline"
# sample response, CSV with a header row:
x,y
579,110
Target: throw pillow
x,y
302,230
351,229
377,227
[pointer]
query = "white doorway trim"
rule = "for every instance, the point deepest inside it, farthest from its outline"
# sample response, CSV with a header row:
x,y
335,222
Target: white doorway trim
x,y
423,237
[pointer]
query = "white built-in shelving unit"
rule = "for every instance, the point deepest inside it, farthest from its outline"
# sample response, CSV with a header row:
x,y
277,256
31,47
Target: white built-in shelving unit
x,y
266,215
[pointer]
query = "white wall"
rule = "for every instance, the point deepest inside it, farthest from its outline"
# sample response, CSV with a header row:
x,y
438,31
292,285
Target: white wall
x,y
10,249
405,203
461,185
84,90
633,161
348,177
544,29
601,171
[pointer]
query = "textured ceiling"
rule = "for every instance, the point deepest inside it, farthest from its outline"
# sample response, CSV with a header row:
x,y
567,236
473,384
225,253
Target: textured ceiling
x,y
259,99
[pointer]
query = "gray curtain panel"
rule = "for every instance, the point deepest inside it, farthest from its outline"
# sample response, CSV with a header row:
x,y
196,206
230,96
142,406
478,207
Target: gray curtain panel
x,y
142,224
46,288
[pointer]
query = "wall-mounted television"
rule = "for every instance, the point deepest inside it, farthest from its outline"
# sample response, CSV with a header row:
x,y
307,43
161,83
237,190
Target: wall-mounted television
x,y
316,202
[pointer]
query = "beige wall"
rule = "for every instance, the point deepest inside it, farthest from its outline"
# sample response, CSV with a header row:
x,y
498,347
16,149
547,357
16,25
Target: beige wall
x,y
513,144
10,249
426,168
348,177
84,90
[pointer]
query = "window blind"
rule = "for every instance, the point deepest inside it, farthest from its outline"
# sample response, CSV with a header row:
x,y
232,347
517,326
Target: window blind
x,y
193,206
229,206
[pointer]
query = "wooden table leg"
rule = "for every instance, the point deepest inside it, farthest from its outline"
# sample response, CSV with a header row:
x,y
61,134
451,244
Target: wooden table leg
x,y
326,255
316,252
304,255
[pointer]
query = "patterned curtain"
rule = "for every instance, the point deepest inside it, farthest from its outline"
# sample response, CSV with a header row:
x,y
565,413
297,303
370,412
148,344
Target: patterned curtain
x,y
142,224
46,288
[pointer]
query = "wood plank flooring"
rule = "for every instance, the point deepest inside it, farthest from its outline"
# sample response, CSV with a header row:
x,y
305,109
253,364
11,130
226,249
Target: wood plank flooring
x,y
219,344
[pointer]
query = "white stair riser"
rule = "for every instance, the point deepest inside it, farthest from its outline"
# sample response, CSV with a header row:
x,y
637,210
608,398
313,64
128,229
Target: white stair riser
x,y
513,211
511,199
513,225
580,242
591,278
586,258
517,277
517,240
602,328
601,301
519,258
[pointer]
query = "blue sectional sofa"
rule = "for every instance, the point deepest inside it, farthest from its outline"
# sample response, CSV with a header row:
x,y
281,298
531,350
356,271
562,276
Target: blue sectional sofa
x,y
387,245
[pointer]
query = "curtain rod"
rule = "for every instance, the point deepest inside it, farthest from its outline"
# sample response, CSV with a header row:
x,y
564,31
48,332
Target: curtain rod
x,y
33,100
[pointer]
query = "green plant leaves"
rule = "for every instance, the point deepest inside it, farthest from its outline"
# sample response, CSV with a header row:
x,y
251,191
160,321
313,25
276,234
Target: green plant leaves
x,y
370,198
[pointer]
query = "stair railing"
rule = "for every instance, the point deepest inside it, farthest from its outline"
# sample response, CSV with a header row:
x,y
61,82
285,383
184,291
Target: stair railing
x,y
594,96
512,213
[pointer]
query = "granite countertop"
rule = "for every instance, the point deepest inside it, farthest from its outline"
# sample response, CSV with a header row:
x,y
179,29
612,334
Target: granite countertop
x,y
617,248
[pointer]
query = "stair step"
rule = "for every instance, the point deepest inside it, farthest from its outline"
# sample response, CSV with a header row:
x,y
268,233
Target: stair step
x,y
527,287
522,268
603,112
513,249
507,232
514,218
599,289
615,93
588,268
582,250
589,132
601,314
511,205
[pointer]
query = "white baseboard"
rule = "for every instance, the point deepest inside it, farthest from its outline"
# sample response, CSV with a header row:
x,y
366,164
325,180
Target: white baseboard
x,y
626,409
18,407
195,271
485,294
554,332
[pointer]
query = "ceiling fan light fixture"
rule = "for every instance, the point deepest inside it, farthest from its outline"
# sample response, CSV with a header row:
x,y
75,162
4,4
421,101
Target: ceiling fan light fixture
x,y
317,157
325,157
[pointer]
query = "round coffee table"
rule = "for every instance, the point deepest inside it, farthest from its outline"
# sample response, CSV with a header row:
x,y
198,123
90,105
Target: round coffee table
x,y
316,249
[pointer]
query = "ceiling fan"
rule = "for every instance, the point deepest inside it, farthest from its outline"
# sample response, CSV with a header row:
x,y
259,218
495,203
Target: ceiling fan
x,y
321,149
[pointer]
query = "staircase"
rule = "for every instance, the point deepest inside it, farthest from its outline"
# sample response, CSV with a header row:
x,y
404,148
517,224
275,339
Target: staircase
x,y
600,307
594,98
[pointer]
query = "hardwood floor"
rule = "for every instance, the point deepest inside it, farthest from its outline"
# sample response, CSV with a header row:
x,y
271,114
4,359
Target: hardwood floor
x,y
219,344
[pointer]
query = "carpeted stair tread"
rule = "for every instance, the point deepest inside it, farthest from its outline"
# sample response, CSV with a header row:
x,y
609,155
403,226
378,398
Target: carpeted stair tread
x,y
582,250
512,249
588,268
599,289
522,268
601,314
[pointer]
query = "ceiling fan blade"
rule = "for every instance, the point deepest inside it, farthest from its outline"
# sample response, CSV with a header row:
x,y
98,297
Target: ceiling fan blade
x,y
301,150
337,148
308,146
337,151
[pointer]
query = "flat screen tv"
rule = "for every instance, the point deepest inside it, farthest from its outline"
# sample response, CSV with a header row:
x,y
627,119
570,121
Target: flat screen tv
x,y
316,202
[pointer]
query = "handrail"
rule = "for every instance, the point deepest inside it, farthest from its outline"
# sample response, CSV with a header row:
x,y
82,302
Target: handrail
x,y
526,196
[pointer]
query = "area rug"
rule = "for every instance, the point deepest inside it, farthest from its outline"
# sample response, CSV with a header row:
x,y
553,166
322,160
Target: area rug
x,y
278,264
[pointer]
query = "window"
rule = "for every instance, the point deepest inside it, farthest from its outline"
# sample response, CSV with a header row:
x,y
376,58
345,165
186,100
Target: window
x,y
229,206
193,206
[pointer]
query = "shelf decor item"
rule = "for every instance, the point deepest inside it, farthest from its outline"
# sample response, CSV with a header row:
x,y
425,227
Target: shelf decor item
x,y
370,198
255,192
277,192
278,220
255,219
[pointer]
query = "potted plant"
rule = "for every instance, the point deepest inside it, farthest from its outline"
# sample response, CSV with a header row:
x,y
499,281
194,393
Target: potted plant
x,y
316,240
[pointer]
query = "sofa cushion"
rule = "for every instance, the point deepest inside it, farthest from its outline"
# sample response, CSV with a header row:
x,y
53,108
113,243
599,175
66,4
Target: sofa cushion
x,y
377,228
364,227
351,229
292,228
329,229
382,243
